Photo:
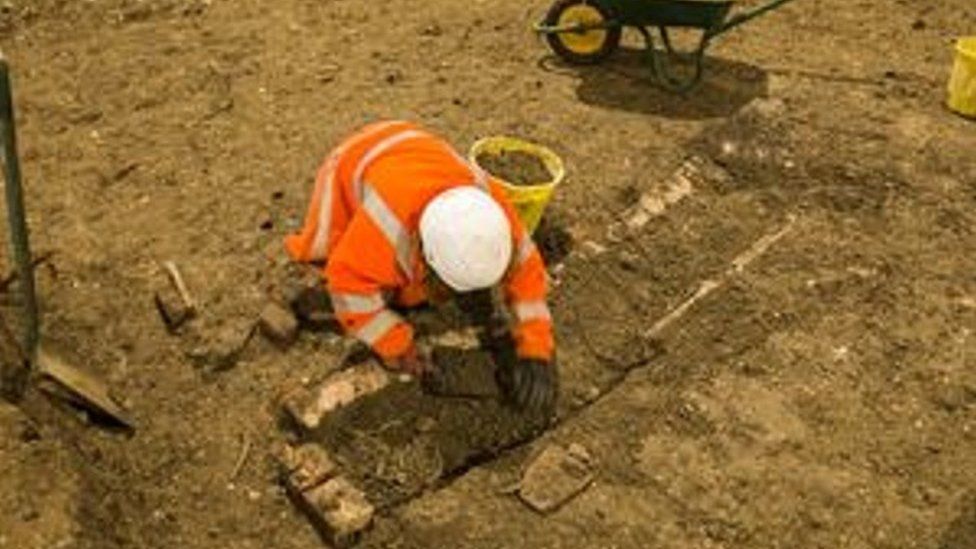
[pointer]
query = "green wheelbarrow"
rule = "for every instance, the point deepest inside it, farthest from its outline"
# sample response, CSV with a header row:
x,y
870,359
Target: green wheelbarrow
x,y
585,32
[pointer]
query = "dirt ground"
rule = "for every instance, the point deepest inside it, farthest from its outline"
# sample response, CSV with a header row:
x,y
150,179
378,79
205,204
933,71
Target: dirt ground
x,y
823,396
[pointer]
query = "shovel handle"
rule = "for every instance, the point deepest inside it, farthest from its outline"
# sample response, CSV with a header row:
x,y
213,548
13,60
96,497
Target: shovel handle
x,y
16,216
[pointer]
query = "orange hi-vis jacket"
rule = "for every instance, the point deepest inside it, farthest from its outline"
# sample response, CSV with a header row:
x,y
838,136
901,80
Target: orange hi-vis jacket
x,y
363,224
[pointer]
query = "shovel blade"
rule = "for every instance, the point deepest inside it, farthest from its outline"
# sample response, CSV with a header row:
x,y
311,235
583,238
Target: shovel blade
x,y
82,388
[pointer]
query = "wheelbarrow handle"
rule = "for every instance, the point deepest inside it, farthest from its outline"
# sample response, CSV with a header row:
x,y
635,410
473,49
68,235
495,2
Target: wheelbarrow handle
x,y
747,15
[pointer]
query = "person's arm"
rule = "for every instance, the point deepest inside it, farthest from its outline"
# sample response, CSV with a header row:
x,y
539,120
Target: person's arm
x,y
525,294
533,380
361,267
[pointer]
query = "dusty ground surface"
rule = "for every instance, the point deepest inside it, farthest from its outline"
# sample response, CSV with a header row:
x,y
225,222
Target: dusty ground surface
x,y
824,396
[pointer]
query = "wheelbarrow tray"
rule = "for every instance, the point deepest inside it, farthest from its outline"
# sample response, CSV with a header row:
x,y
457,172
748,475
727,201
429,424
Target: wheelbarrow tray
x,y
712,17
708,15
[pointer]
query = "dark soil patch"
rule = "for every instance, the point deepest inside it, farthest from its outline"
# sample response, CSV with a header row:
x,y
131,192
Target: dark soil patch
x,y
403,440
462,374
516,167
553,240
962,532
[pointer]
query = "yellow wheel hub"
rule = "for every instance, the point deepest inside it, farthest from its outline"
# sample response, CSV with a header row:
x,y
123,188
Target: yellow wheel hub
x,y
587,42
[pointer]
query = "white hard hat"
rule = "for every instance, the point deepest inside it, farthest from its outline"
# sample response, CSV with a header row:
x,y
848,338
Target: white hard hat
x,y
466,238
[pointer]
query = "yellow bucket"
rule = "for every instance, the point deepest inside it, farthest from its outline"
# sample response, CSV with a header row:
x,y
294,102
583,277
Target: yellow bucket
x,y
530,201
962,85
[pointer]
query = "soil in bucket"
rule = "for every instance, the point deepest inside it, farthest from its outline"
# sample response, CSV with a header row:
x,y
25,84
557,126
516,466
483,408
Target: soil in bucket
x,y
516,167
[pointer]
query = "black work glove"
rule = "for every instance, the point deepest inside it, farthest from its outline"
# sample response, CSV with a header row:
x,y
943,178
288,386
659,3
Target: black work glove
x,y
312,307
534,385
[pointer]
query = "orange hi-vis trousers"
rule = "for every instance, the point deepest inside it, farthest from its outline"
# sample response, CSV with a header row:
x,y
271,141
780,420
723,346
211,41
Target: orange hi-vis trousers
x,y
363,222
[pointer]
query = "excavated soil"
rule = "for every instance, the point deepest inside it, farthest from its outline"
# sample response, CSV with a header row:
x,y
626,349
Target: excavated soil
x,y
822,396
516,167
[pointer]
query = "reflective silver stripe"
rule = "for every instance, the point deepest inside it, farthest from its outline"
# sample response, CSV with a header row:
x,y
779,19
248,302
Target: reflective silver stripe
x,y
375,152
323,227
480,179
531,310
526,247
321,241
391,227
377,327
478,176
357,303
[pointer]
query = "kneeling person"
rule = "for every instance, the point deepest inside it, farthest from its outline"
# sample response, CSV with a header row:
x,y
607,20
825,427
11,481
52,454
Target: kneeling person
x,y
398,216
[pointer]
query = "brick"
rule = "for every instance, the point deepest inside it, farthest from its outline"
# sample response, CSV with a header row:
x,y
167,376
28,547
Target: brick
x,y
220,350
172,309
555,477
310,407
175,304
279,325
339,510
306,467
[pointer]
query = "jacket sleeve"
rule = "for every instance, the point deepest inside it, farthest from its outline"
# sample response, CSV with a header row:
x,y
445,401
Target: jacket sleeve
x,y
525,295
360,270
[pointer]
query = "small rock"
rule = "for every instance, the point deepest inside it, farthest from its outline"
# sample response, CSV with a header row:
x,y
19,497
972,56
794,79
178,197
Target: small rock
x,y
616,232
593,249
588,394
629,261
306,466
433,30
953,398
173,302
222,350
579,452
426,424
29,433
328,73
339,510
555,477
463,338
171,308
278,325
765,107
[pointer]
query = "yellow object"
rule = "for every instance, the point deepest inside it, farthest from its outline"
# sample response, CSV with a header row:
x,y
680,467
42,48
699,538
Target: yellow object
x,y
582,43
529,200
962,86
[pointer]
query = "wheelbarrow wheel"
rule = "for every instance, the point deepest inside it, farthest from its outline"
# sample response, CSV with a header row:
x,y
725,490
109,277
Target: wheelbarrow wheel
x,y
583,47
